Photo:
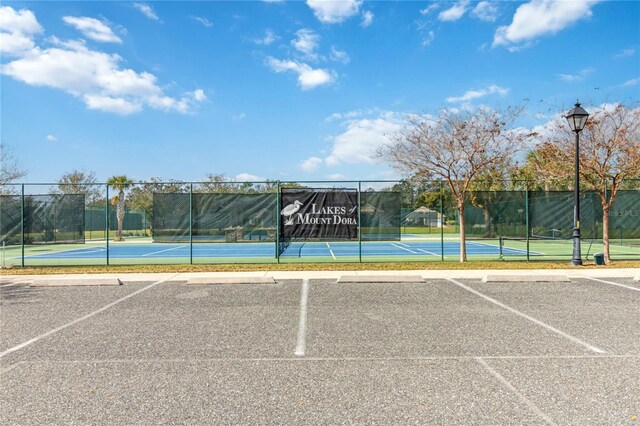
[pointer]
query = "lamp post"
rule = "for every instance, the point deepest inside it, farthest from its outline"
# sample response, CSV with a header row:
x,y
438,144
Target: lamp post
x,y
577,118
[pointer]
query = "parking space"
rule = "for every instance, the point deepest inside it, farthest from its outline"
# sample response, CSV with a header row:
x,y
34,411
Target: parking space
x,y
303,351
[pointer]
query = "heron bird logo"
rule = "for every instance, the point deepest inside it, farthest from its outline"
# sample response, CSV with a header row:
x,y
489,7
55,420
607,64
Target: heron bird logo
x,y
289,211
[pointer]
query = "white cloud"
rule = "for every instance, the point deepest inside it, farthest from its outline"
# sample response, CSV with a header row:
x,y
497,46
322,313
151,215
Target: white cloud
x,y
336,176
307,42
238,117
580,76
17,30
470,95
485,11
308,78
339,55
541,17
427,10
367,18
358,143
248,177
311,164
204,21
146,11
625,53
269,37
455,12
96,78
198,95
51,138
92,28
632,82
334,11
426,41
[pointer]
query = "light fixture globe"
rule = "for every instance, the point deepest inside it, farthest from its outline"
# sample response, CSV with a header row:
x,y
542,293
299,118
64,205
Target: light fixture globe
x,y
577,118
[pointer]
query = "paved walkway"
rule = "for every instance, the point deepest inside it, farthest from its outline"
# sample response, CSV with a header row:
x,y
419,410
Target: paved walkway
x,y
286,275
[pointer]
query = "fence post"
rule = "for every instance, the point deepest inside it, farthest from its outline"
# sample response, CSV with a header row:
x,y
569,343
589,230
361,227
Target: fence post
x,y
106,221
278,221
191,223
526,213
359,222
441,222
22,226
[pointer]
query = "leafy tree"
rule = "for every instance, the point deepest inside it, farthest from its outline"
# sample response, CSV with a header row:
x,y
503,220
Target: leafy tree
x,y
121,184
457,147
79,182
141,195
609,154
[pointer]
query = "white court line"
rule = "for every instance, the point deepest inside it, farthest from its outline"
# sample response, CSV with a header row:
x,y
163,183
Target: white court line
x,y
330,251
405,249
69,324
302,323
515,391
530,318
612,283
162,251
428,252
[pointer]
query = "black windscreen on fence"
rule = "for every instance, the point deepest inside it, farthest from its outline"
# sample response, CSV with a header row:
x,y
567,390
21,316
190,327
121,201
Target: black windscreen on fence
x,y
319,214
381,215
10,219
214,217
551,214
491,214
226,217
48,219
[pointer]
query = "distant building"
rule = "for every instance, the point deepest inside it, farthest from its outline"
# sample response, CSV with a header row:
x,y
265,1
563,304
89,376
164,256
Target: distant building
x,y
423,216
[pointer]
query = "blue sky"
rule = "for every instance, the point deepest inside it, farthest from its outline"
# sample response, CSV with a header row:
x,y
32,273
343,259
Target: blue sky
x,y
287,90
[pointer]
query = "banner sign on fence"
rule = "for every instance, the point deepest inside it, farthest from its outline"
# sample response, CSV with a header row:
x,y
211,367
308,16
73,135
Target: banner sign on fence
x,y
319,214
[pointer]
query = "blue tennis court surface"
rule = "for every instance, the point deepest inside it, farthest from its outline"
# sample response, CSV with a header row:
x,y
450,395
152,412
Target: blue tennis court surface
x,y
268,250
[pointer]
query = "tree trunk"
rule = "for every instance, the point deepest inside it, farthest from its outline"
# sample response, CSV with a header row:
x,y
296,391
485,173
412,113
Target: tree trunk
x,y
463,242
120,215
488,223
606,208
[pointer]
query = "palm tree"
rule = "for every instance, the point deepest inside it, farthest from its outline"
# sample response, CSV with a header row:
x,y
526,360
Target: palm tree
x,y
120,184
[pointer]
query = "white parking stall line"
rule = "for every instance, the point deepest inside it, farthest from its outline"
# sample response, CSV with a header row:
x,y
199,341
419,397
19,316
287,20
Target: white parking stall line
x,y
515,391
574,339
302,322
85,317
612,283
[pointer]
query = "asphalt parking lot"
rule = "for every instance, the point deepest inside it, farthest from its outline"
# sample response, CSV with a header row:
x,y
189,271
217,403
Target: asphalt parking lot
x,y
311,351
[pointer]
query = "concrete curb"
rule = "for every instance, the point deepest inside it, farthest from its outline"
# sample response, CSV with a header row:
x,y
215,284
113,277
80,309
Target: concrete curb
x,y
230,280
83,282
380,279
525,278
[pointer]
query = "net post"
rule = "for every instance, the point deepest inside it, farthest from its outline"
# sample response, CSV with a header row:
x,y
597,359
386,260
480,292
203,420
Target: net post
x,y
441,222
278,221
191,223
22,226
106,221
359,222
526,213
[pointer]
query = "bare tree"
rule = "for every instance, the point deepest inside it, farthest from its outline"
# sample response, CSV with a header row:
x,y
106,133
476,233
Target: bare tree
x,y
456,147
609,153
10,170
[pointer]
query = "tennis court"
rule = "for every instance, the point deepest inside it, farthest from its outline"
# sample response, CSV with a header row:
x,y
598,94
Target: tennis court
x,y
143,251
